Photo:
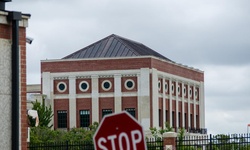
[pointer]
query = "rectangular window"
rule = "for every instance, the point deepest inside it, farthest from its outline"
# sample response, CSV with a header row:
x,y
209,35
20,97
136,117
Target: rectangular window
x,y
131,111
180,119
106,112
167,116
186,121
197,122
62,118
160,120
84,118
173,119
191,120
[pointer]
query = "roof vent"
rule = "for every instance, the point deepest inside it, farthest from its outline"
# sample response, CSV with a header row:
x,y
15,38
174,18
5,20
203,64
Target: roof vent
x,y
2,4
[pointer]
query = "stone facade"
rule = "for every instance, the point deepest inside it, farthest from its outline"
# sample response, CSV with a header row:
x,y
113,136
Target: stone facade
x,y
5,81
5,93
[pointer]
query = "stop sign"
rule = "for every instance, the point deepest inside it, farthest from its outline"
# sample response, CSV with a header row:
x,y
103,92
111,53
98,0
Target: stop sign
x,y
119,132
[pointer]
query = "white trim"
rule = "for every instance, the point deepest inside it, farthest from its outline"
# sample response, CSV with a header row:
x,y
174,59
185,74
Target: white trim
x,y
183,104
58,89
184,90
117,93
189,101
86,95
110,85
172,88
87,74
190,92
100,95
175,77
155,99
129,94
202,105
166,86
80,86
176,105
143,98
159,85
133,84
178,90
95,98
72,101
196,93
170,103
164,102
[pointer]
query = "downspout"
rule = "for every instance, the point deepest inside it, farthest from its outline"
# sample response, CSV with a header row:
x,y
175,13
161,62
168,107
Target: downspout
x,y
14,17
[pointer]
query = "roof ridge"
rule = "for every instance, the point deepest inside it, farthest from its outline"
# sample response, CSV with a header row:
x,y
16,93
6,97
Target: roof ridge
x,y
132,41
127,39
120,39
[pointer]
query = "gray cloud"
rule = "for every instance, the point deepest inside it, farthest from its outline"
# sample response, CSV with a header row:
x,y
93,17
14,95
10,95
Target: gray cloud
x,y
210,35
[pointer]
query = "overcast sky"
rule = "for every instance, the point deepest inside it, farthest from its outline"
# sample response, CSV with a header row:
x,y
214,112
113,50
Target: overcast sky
x,y
211,35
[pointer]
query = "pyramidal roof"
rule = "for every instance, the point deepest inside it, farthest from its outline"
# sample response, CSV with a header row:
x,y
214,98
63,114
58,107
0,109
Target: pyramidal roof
x,y
114,46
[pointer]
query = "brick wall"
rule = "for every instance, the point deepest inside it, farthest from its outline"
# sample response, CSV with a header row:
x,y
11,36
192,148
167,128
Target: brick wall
x,y
161,123
177,70
120,64
130,102
61,104
105,103
83,104
123,82
22,42
78,90
94,65
56,84
101,80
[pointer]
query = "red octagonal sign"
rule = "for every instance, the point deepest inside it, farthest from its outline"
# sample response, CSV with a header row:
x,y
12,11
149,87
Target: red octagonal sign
x,y
119,132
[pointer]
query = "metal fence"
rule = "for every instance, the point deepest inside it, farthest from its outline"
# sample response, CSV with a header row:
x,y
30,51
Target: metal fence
x,y
214,142
152,144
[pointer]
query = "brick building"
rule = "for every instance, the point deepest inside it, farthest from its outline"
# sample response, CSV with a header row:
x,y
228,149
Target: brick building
x,y
117,74
6,60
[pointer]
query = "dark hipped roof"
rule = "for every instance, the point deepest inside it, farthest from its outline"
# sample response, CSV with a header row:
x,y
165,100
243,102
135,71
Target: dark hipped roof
x,y
114,46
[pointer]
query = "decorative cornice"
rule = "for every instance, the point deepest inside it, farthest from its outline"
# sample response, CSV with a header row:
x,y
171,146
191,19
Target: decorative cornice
x,y
129,75
83,77
106,76
61,78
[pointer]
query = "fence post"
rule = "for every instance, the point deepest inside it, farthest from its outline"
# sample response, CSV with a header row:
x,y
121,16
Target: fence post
x,y
210,143
67,145
169,140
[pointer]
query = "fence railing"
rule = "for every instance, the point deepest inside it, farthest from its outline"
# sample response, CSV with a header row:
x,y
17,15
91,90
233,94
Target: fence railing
x,y
192,130
197,130
152,144
216,142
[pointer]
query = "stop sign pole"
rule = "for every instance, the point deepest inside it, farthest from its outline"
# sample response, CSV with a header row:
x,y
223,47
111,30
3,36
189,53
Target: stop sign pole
x,y
119,132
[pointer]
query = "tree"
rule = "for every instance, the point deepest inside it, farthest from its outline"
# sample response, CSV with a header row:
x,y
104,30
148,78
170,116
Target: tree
x,y
45,114
181,135
157,134
45,135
